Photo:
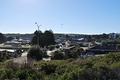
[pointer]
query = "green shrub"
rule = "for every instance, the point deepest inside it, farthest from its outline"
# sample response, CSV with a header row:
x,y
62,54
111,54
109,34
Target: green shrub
x,y
92,68
35,53
59,55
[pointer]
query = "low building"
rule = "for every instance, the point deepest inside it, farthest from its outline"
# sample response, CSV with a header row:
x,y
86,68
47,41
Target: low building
x,y
100,49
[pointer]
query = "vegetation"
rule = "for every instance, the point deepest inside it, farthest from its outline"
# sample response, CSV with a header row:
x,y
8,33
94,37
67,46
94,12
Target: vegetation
x,y
65,65
93,68
45,39
9,38
35,52
103,36
5,55
2,38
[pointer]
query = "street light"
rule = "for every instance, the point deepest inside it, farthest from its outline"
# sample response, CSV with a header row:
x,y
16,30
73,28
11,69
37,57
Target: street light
x,y
38,32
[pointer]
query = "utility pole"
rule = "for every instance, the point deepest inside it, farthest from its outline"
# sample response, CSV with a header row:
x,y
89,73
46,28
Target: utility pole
x,y
38,39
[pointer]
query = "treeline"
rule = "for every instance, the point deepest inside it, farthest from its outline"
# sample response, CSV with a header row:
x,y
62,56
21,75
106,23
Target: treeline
x,y
93,68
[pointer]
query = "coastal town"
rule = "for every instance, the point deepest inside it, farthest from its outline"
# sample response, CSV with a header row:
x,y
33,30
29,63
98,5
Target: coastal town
x,y
49,53
59,39
90,45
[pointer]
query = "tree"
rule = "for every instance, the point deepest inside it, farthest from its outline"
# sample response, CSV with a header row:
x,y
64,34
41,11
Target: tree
x,y
35,37
118,47
45,39
2,38
104,36
49,37
59,55
67,37
9,38
35,53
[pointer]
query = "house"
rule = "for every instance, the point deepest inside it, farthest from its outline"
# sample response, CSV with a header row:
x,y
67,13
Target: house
x,y
74,40
102,49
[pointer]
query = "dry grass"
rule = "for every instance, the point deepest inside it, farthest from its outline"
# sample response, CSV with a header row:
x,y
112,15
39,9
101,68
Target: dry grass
x,y
15,66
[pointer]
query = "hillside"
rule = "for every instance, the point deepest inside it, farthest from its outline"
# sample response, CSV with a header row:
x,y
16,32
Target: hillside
x,y
92,68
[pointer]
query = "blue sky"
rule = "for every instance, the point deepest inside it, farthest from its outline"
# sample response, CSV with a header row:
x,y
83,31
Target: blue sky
x,y
77,16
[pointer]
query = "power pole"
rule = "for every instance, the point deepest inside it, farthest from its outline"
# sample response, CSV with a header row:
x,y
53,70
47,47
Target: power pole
x,y
38,39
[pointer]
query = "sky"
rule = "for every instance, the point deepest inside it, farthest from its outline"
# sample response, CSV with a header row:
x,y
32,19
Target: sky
x,y
60,16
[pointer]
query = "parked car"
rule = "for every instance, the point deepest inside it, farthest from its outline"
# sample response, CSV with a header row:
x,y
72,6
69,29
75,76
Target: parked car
x,y
88,54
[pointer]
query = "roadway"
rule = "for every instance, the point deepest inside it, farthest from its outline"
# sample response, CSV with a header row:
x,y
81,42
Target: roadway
x,y
22,59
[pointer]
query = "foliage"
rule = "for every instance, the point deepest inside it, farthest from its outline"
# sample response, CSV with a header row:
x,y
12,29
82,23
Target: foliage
x,y
93,68
51,47
59,55
118,47
74,53
2,38
45,39
4,55
9,38
35,53
65,54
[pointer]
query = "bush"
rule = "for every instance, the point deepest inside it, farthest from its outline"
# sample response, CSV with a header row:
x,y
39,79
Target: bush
x,y
59,55
35,53
92,68
4,55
